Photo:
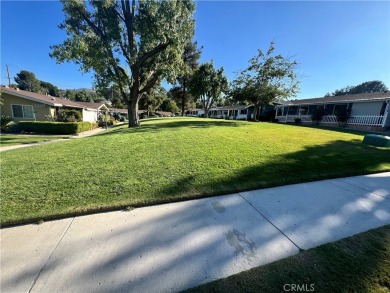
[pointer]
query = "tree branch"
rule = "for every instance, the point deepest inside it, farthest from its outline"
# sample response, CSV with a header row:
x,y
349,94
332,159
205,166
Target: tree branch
x,y
154,51
150,83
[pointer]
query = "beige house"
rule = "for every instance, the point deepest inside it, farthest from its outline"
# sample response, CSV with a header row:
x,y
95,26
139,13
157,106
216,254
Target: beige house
x,y
29,106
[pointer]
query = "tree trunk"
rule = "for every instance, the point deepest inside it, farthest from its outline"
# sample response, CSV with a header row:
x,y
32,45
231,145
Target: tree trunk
x,y
132,110
206,113
183,99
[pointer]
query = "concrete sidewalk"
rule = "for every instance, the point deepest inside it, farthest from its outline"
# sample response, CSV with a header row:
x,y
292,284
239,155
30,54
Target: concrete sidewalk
x,y
171,247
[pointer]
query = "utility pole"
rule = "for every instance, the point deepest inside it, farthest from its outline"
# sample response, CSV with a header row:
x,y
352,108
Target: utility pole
x,y
9,79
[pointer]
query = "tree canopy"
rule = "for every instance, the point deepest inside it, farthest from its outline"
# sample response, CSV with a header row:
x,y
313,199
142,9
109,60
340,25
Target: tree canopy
x,y
208,85
267,78
27,81
365,87
153,99
134,44
179,92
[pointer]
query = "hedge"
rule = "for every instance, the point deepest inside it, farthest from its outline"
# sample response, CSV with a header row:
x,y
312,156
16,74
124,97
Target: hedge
x,y
53,127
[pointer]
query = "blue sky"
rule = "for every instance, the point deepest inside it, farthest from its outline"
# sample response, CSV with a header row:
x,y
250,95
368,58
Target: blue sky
x,y
336,43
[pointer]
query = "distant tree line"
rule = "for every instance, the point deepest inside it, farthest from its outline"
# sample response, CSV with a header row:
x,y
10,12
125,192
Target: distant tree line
x,y
26,80
365,87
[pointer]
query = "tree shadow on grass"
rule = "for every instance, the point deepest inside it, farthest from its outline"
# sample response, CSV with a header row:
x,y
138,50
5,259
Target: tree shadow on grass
x,y
335,129
336,159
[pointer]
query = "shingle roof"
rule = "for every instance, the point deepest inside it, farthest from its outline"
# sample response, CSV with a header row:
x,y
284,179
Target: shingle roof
x,y
238,107
125,111
49,100
92,105
380,96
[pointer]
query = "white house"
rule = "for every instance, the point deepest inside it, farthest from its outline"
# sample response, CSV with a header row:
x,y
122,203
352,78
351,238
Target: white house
x,y
369,111
239,112
91,111
195,112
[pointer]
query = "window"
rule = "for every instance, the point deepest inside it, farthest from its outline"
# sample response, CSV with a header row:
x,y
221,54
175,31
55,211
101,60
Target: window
x,y
21,111
243,112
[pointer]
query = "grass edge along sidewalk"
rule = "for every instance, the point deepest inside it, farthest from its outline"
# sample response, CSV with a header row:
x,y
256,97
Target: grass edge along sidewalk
x,y
169,160
360,263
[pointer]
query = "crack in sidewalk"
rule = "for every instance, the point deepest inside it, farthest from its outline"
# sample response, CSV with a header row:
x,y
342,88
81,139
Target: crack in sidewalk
x,y
296,245
51,254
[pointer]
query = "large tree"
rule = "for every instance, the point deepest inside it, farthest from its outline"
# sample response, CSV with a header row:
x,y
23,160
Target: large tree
x,y
179,92
133,44
27,81
267,78
48,88
208,85
365,87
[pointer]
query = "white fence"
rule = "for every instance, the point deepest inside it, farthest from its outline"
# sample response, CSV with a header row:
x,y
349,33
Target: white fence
x,y
366,120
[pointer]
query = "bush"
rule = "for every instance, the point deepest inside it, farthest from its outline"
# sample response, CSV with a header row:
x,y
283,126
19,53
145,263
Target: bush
x,y
52,127
342,115
116,116
298,120
4,122
68,115
122,119
317,114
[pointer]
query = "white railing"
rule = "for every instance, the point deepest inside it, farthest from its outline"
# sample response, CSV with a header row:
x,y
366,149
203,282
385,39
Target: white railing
x,y
329,119
365,120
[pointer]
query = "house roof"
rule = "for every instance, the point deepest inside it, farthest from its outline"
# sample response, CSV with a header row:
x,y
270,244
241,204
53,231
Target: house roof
x,y
45,99
238,107
380,96
117,110
95,106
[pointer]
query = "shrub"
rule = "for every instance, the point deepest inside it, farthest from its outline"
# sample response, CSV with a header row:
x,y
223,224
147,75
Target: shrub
x,y
68,115
298,120
52,127
4,122
317,114
122,119
116,116
342,115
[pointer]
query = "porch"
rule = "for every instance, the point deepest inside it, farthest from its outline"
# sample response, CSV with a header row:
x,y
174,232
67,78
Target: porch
x,y
362,120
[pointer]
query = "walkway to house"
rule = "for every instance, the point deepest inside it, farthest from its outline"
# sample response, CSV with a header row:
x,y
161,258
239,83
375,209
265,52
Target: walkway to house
x,y
80,135
171,247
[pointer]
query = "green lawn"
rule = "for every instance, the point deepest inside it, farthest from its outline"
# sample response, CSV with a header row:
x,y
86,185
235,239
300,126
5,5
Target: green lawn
x,y
14,139
173,159
357,264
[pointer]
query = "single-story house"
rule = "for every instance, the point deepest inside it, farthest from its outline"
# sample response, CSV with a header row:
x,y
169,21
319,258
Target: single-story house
x,y
240,112
369,111
92,110
195,112
28,106
121,112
